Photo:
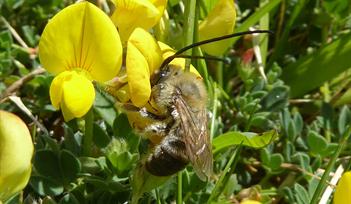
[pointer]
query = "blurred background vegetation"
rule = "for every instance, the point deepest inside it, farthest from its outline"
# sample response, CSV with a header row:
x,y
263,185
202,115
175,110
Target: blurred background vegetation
x,y
303,93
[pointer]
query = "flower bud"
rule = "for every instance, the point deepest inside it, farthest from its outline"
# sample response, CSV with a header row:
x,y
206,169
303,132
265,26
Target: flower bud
x,y
16,151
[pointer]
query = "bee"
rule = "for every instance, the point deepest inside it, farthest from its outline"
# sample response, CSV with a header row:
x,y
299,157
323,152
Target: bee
x,y
175,120
178,131
182,96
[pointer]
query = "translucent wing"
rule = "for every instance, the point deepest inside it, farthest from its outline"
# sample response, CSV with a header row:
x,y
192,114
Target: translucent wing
x,y
195,137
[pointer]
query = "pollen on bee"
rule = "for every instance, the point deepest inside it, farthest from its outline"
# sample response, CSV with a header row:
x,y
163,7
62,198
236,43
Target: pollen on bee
x,y
175,113
143,112
156,128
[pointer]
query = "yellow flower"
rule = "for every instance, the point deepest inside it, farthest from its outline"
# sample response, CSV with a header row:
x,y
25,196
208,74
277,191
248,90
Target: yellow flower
x,y
143,59
130,14
168,51
79,44
250,202
16,150
343,190
220,21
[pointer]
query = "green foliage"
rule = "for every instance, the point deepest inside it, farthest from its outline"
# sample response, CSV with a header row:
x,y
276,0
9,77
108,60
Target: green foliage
x,y
244,138
271,135
324,64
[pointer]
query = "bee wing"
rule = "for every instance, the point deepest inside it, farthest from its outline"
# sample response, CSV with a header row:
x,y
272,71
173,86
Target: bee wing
x,y
196,138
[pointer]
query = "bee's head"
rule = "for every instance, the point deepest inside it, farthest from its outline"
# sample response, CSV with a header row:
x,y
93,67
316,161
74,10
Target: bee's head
x,y
167,72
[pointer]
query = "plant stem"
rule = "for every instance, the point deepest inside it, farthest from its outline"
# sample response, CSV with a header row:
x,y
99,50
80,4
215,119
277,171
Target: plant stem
x,y
190,12
157,196
219,73
179,189
229,168
322,182
88,132
214,111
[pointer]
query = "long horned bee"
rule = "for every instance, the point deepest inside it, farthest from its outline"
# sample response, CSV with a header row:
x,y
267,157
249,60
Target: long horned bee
x,y
181,95
178,132
175,119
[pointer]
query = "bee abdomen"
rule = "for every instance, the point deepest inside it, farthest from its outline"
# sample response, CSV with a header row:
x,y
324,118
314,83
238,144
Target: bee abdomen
x,y
168,158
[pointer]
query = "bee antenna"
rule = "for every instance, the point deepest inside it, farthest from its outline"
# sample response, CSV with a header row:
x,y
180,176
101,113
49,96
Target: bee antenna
x,y
224,60
172,57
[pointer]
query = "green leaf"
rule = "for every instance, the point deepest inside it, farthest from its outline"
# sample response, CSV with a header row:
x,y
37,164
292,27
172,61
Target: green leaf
x,y
288,150
117,186
104,106
303,160
313,70
92,165
285,120
122,161
261,120
316,142
45,186
331,148
121,126
291,131
248,139
100,136
344,119
69,199
46,163
276,99
276,161
265,156
298,122
301,195
29,34
69,166
72,140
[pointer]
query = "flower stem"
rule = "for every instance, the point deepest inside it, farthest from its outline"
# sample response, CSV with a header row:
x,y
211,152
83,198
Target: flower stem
x,y
322,183
179,189
190,12
88,132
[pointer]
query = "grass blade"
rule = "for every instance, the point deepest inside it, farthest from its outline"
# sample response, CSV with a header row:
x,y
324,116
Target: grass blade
x,y
313,70
322,183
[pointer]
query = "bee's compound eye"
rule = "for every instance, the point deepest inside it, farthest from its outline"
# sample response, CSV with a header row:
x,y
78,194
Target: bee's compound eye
x,y
163,74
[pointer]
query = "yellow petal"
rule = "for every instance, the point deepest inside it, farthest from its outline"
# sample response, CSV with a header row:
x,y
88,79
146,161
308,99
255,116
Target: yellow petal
x,y
220,21
130,14
72,92
138,76
16,150
81,36
56,88
168,51
343,190
160,5
250,202
148,47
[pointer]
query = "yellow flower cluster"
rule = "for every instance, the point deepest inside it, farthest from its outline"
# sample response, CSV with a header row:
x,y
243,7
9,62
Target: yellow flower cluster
x,y
82,44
